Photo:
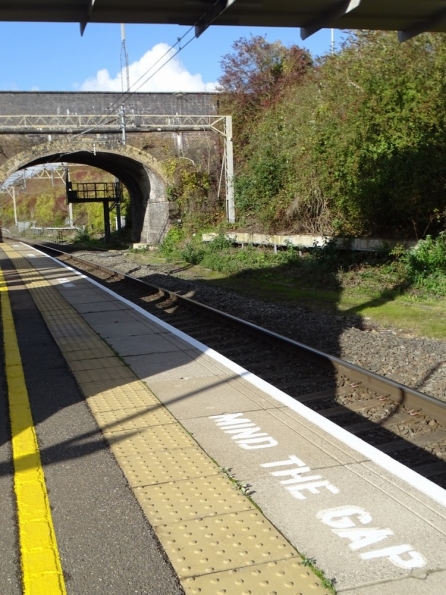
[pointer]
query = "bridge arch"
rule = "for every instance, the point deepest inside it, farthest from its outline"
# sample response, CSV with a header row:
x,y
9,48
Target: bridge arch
x,y
140,173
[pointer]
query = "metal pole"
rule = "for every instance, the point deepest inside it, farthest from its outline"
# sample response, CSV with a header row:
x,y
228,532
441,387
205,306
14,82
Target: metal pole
x,y
124,62
106,221
118,216
229,170
118,192
70,214
122,114
15,206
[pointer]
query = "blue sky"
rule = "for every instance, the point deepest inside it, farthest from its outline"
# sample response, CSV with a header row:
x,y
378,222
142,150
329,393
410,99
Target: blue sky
x,y
54,57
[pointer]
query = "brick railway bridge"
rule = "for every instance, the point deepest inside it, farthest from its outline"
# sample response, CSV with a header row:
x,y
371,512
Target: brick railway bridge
x,y
128,140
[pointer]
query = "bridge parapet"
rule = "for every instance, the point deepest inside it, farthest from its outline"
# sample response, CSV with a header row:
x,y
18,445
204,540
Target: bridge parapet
x,y
69,103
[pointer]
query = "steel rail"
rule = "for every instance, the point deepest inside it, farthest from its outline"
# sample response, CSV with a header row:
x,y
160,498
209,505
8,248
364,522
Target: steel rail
x,y
399,393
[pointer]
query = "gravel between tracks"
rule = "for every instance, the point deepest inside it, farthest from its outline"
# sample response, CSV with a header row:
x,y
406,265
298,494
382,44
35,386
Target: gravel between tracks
x,y
416,362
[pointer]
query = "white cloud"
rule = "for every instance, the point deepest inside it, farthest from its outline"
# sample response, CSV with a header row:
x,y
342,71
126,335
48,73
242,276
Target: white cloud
x,y
172,77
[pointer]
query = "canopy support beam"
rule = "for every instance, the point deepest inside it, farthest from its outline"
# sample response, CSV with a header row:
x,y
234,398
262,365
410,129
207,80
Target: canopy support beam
x,y
326,19
423,26
86,19
209,17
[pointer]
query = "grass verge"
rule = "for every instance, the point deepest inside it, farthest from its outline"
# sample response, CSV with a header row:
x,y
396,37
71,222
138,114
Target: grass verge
x,y
401,290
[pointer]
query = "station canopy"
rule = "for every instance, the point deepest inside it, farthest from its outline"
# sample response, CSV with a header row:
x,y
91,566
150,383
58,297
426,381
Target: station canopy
x,y
409,17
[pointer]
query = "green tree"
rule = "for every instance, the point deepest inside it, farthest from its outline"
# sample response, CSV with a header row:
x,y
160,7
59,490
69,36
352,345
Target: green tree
x,y
255,76
357,146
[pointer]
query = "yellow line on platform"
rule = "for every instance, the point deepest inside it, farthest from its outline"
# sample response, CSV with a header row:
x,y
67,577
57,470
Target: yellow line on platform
x,y
41,566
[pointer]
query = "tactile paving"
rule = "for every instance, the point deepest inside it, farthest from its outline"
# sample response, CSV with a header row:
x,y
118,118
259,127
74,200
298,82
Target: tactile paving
x,y
181,501
282,577
70,330
74,354
120,373
209,545
159,437
123,397
54,315
121,420
104,363
101,386
166,465
73,344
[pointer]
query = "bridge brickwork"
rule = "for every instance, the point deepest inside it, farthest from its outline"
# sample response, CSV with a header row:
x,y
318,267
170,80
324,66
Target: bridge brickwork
x,y
87,102
136,164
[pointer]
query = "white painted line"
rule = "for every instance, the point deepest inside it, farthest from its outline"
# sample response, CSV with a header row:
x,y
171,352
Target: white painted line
x,y
77,273
422,484
27,246
66,282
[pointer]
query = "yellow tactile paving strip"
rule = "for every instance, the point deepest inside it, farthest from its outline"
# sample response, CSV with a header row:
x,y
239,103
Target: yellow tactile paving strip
x,y
39,553
216,540
149,439
174,502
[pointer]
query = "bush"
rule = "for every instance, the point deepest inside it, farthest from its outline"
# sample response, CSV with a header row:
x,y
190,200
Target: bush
x,y
82,236
426,264
193,253
428,257
220,242
170,246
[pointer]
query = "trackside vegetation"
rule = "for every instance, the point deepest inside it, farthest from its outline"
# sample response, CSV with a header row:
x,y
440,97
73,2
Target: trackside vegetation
x,y
397,288
419,270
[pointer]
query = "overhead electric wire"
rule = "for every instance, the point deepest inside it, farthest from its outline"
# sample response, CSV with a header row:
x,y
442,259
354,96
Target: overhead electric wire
x,y
126,96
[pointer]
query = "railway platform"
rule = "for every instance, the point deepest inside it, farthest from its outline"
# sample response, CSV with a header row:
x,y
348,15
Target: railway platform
x,y
144,462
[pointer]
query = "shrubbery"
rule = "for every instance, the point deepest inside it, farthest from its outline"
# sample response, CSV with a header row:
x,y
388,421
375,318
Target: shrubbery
x,y
426,264
170,245
354,146
220,254
325,267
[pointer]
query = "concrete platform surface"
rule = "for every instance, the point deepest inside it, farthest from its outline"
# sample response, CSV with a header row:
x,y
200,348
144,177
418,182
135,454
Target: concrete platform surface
x,y
353,512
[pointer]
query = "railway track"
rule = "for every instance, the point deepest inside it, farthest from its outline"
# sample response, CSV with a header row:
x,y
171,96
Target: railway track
x,y
402,422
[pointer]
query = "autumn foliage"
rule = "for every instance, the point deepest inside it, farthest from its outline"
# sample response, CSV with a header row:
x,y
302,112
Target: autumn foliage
x,y
256,76
353,143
